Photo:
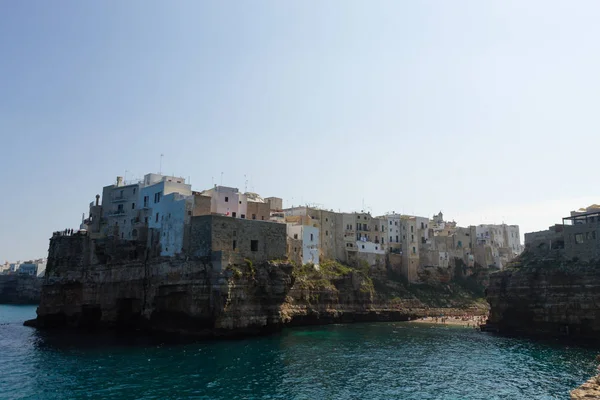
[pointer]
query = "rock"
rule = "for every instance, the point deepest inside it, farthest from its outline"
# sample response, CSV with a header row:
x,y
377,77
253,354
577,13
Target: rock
x,y
548,300
20,289
589,390
103,286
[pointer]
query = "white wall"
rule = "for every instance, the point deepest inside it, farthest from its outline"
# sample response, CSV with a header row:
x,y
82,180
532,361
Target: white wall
x,y
310,245
173,208
309,236
369,247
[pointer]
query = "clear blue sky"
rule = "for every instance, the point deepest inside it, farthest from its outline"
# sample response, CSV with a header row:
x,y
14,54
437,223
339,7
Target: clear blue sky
x,y
487,110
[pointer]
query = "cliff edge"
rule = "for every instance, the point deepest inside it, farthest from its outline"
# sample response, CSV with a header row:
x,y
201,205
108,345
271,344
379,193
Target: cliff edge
x,y
549,297
20,289
117,285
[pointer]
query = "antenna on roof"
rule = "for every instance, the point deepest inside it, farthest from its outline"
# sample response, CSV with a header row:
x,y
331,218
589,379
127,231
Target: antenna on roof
x,y
221,179
160,167
245,184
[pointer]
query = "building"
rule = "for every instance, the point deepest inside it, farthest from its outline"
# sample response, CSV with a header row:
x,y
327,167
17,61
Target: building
x,y
303,244
226,240
28,268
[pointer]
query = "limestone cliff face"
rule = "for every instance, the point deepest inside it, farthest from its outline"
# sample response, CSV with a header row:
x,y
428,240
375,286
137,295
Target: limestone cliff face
x,y
85,287
550,298
20,289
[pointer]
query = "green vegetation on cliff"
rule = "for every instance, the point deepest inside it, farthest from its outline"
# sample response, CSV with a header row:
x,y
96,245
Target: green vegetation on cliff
x,y
386,287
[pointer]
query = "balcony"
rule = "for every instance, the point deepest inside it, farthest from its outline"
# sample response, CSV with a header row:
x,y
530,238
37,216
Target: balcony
x,y
116,213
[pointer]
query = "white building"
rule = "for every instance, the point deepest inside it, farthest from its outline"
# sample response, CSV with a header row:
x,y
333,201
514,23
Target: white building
x,y
166,201
227,201
309,236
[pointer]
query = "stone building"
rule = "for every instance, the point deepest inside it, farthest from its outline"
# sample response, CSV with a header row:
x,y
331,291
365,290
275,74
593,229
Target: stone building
x,y
233,240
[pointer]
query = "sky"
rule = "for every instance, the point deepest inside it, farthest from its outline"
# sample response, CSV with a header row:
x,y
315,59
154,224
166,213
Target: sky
x,y
485,110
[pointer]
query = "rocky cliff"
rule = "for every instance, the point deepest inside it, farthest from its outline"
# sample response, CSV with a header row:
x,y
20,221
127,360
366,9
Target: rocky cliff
x,y
589,390
117,285
20,289
546,297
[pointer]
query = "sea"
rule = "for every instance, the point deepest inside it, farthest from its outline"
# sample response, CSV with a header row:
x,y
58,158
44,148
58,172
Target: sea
x,y
356,361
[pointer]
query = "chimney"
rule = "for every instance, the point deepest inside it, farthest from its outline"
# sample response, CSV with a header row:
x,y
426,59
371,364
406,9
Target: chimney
x,y
119,181
97,199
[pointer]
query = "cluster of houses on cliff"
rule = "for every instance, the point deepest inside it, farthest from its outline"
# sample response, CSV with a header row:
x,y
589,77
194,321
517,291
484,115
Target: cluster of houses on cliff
x,y
30,267
171,218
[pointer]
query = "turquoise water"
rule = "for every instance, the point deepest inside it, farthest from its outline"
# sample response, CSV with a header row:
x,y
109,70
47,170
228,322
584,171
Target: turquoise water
x,y
361,361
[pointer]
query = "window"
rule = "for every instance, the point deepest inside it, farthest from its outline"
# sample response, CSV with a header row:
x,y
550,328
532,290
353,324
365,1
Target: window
x,y
295,249
422,225
311,237
459,244
233,214
411,229
253,216
234,244
243,216
391,238
579,238
396,223
240,202
234,233
262,217
295,236
133,206
226,199
414,250
396,238
358,217
382,241
390,222
376,248
120,208
145,220
326,233
157,197
134,189
146,201
254,245
156,217
326,220
121,194
122,235
364,227
412,238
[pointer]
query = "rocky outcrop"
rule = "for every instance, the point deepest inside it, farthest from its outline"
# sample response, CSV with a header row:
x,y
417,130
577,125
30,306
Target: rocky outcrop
x,y
549,298
87,286
587,391
20,289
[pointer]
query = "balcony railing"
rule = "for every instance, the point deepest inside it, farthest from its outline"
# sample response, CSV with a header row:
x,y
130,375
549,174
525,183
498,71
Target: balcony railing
x,y
116,212
118,199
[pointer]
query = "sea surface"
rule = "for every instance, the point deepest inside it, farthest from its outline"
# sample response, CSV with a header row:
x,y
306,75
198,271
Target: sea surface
x,y
360,361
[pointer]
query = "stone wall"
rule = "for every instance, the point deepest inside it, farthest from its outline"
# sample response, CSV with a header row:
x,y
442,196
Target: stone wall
x,y
255,240
201,205
258,211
